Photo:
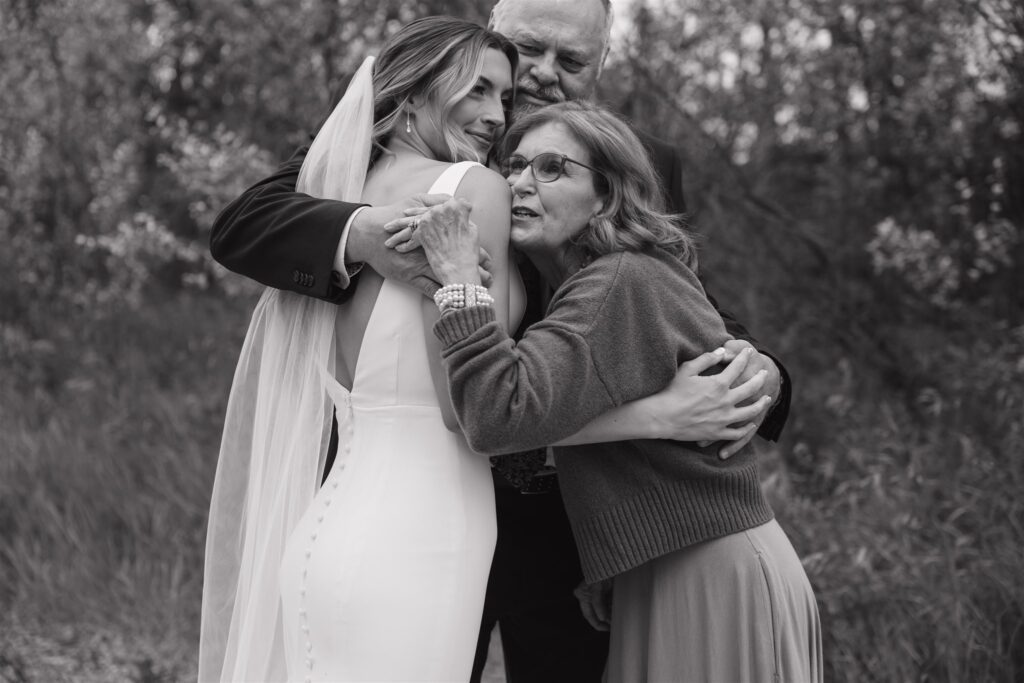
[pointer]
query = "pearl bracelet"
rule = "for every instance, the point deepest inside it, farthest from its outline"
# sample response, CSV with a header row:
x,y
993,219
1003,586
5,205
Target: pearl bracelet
x,y
461,296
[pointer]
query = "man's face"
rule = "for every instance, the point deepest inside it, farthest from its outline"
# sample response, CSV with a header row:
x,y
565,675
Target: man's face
x,y
561,48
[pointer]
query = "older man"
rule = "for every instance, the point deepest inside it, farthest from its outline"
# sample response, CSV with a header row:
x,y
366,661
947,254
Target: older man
x,y
314,246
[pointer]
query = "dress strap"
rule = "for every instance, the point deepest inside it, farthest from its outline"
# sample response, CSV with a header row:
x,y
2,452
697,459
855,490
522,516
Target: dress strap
x,y
449,180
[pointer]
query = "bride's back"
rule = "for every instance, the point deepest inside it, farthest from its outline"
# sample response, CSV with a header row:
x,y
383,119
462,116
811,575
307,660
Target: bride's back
x,y
393,178
441,90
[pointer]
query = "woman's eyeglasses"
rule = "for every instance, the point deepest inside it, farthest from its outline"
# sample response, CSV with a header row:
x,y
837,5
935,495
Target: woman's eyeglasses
x,y
547,167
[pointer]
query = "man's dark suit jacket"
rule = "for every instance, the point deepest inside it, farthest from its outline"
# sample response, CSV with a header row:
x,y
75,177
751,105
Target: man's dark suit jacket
x,y
288,241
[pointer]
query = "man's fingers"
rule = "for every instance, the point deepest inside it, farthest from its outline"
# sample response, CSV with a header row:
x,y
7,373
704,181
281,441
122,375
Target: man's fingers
x,y
424,201
402,235
704,361
397,225
414,211
749,389
733,447
753,411
594,605
603,612
426,285
586,608
593,614
735,367
733,347
598,623
411,244
588,613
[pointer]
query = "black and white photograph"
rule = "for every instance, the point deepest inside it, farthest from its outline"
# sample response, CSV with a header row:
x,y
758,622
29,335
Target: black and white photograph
x,y
511,341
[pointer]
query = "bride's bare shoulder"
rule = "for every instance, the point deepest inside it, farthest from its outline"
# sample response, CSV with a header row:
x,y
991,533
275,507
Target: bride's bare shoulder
x,y
482,183
393,179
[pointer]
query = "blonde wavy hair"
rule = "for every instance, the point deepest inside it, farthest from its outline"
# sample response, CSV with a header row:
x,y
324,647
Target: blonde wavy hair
x,y
437,58
634,215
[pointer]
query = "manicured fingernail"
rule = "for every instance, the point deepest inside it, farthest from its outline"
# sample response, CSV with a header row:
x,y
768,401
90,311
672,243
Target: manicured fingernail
x,y
719,351
762,372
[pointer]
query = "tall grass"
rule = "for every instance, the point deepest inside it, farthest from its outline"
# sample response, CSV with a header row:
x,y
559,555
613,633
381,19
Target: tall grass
x,y
905,500
109,443
911,513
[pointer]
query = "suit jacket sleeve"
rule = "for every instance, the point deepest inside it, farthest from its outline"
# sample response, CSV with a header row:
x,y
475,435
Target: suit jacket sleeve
x,y
282,238
668,161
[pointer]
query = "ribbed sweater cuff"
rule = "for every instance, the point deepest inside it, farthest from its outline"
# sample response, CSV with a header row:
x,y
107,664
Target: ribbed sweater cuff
x,y
460,323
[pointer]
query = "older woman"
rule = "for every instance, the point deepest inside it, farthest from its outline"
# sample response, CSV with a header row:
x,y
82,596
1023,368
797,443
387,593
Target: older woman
x,y
706,584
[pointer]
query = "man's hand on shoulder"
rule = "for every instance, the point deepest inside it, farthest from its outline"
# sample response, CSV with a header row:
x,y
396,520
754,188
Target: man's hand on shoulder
x,y
381,237
366,243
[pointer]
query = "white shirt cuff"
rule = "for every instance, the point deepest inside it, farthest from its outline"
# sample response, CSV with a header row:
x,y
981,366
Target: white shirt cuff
x,y
339,256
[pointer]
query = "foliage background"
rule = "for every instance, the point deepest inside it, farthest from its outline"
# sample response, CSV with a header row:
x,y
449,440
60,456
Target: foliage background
x,y
856,167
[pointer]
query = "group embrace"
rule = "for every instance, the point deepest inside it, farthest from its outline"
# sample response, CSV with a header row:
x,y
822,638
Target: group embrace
x,y
472,260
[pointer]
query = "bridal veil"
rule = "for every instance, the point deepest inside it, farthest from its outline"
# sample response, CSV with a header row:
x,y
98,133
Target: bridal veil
x,y
276,430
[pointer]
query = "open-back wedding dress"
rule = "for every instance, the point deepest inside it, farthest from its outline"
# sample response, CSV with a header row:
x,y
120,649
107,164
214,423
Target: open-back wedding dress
x,y
384,577
380,574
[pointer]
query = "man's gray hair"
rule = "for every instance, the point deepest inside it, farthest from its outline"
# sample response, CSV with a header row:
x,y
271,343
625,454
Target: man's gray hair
x,y
608,16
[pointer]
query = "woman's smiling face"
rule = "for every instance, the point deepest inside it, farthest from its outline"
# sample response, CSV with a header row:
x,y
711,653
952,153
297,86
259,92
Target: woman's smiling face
x,y
481,113
547,215
479,117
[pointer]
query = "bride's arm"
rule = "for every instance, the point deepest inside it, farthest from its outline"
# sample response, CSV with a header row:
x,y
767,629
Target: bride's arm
x,y
489,195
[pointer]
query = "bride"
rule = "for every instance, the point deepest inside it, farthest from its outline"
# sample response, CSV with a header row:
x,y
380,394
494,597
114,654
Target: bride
x,y
380,573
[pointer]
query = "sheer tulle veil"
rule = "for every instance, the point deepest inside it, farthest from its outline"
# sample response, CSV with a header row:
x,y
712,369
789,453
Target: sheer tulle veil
x,y
276,430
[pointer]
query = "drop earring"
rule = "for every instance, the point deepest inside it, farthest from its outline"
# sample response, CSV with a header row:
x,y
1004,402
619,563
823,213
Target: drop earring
x,y
408,123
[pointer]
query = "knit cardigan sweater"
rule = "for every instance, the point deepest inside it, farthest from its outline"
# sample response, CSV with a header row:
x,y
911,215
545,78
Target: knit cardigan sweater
x,y
614,331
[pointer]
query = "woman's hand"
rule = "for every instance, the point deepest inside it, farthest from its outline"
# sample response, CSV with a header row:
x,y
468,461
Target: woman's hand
x,y
413,268
448,238
757,364
701,408
596,603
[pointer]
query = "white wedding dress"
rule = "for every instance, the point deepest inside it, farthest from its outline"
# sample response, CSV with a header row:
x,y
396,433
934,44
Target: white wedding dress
x,y
384,577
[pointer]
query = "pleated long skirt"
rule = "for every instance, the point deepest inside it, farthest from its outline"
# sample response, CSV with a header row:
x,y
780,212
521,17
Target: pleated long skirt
x,y
730,610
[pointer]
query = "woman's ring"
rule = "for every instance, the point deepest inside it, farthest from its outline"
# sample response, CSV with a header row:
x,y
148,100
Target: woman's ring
x,y
415,223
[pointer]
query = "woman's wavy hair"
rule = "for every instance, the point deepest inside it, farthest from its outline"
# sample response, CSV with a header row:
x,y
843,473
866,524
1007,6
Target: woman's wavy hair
x,y
634,215
439,59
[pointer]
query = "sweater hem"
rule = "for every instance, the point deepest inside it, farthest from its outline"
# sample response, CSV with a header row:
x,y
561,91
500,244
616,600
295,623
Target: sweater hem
x,y
666,518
